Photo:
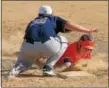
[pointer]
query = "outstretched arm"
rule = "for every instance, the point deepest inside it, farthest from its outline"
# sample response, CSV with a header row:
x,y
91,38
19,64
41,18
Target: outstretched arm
x,y
79,28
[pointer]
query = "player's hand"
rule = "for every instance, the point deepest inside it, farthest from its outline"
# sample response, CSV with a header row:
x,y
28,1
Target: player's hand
x,y
93,30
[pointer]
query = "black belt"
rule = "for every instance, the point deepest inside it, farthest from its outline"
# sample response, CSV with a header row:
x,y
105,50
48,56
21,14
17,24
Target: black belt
x,y
31,42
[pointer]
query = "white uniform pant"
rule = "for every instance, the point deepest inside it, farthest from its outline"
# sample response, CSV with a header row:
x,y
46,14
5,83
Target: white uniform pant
x,y
53,48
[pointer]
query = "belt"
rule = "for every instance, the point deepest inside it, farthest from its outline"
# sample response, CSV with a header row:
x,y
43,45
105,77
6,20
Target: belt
x,y
32,42
29,41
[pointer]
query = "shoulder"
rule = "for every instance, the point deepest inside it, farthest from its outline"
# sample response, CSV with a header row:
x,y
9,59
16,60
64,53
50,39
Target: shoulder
x,y
59,18
71,48
74,44
56,17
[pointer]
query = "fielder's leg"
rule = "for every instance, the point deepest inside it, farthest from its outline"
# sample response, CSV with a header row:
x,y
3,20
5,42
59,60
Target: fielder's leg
x,y
22,64
48,67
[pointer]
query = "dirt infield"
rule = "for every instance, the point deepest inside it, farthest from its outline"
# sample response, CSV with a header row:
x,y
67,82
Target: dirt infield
x,y
16,15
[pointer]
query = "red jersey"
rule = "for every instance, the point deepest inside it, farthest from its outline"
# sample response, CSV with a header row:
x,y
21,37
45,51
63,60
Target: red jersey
x,y
73,54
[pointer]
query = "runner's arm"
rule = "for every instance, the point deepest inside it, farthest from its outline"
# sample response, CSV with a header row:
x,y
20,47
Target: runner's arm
x,y
64,66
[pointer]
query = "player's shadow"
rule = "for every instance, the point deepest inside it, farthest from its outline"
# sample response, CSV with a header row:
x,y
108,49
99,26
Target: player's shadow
x,y
5,74
30,75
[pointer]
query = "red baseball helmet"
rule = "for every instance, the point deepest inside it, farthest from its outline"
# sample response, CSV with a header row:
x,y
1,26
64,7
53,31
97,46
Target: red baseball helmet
x,y
87,41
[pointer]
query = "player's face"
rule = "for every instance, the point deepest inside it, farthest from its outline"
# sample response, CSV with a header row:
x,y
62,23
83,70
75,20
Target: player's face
x,y
84,51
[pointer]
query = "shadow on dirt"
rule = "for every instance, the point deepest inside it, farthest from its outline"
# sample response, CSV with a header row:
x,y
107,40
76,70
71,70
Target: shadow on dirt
x,y
30,75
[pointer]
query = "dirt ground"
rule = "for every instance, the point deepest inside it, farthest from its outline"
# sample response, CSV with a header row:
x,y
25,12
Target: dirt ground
x,y
91,14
